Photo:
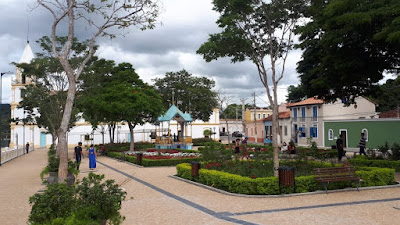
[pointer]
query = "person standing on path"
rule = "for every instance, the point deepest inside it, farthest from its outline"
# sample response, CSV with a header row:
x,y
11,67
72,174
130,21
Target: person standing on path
x,y
362,144
92,157
339,146
237,143
27,147
78,154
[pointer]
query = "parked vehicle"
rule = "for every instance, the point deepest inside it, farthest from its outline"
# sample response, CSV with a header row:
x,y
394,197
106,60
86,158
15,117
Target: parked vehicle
x,y
237,134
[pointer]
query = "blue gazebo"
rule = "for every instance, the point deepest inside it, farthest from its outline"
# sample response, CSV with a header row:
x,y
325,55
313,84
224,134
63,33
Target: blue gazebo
x,y
163,136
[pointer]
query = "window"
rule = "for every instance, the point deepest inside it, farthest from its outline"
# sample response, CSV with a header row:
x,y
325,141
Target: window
x,y
314,131
315,113
264,115
255,116
330,134
22,93
302,131
285,130
365,131
294,114
303,114
259,116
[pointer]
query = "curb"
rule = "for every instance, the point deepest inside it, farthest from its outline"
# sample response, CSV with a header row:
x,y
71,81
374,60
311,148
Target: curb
x,y
284,195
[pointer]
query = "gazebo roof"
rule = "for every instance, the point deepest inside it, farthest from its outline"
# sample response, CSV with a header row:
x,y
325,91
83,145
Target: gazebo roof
x,y
174,113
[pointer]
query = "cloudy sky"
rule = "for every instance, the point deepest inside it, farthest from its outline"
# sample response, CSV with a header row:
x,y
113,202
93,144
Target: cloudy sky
x,y
183,26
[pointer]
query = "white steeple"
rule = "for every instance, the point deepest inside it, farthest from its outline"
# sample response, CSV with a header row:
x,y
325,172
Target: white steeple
x,y
27,55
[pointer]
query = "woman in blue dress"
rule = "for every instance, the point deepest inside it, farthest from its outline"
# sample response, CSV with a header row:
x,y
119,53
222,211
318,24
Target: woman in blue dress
x,y
92,157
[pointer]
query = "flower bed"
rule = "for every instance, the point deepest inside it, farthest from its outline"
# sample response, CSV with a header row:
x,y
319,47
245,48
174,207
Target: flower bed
x,y
171,161
270,186
163,154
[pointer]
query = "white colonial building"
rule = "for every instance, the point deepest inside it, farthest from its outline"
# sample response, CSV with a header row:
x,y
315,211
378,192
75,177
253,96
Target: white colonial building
x,y
82,131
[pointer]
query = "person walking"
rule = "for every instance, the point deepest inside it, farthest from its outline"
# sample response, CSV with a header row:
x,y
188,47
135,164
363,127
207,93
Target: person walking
x,y
78,154
27,147
339,146
92,157
362,144
237,144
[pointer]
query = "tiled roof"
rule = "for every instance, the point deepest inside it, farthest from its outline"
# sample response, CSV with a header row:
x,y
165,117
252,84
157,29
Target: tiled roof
x,y
394,113
282,115
308,101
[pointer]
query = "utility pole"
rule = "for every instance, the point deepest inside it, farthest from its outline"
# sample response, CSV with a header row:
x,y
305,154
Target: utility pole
x,y
255,117
243,121
236,112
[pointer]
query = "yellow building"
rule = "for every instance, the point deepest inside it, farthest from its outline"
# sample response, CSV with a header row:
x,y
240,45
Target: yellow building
x,y
257,113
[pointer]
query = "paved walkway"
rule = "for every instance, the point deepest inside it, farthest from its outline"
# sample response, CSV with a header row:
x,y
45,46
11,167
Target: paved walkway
x,y
155,198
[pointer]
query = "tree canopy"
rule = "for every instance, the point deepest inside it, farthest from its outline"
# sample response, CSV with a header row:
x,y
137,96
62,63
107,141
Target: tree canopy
x,y
118,95
387,96
44,98
295,93
191,94
99,19
348,46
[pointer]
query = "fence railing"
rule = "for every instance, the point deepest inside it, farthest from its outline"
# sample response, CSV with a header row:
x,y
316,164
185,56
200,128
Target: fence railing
x,y
10,154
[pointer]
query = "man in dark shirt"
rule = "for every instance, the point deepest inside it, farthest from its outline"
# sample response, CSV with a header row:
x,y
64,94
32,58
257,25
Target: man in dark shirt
x,y
78,154
362,144
339,146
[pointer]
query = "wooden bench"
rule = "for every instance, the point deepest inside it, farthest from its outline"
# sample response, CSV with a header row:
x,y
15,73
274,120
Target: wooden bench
x,y
336,174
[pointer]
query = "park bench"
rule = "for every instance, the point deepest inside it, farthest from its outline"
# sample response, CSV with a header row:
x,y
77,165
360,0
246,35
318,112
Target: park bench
x,y
336,174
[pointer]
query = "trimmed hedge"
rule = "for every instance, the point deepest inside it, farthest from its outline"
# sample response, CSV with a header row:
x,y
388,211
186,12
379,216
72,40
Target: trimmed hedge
x,y
270,186
150,162
382,163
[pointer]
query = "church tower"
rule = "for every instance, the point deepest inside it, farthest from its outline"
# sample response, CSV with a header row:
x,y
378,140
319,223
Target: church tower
x,y
20,132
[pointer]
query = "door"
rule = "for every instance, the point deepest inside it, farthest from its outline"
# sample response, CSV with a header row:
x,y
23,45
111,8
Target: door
x,y
295,133
344,138
42,139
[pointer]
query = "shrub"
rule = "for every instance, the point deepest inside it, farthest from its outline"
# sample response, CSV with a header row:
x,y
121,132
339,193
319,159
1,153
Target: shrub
x,y
57,201
90,202
382,163
270,185
202,141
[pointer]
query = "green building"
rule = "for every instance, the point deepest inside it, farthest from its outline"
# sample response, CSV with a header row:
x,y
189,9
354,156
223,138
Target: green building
x,y
376,131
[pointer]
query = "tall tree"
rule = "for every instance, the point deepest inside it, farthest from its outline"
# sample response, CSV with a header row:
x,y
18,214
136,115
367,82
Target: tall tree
x,y
387,96
121,96
295,93
348,45
44,99
260,31
89,102
101,18
191,94
233,111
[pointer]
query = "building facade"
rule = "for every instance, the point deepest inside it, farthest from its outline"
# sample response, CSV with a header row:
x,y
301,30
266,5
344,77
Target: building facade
x,y
376,132
308,116
257,113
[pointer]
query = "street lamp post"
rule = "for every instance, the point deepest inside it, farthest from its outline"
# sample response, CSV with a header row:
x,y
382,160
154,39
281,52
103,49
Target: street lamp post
x,y
1,115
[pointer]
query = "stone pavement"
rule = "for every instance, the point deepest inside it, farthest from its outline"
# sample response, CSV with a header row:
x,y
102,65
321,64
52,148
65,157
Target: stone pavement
x,y
153,197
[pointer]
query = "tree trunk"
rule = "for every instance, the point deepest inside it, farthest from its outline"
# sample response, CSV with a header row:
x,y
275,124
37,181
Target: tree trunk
x,y
53,143
62,146
132,142
275,131
111,131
